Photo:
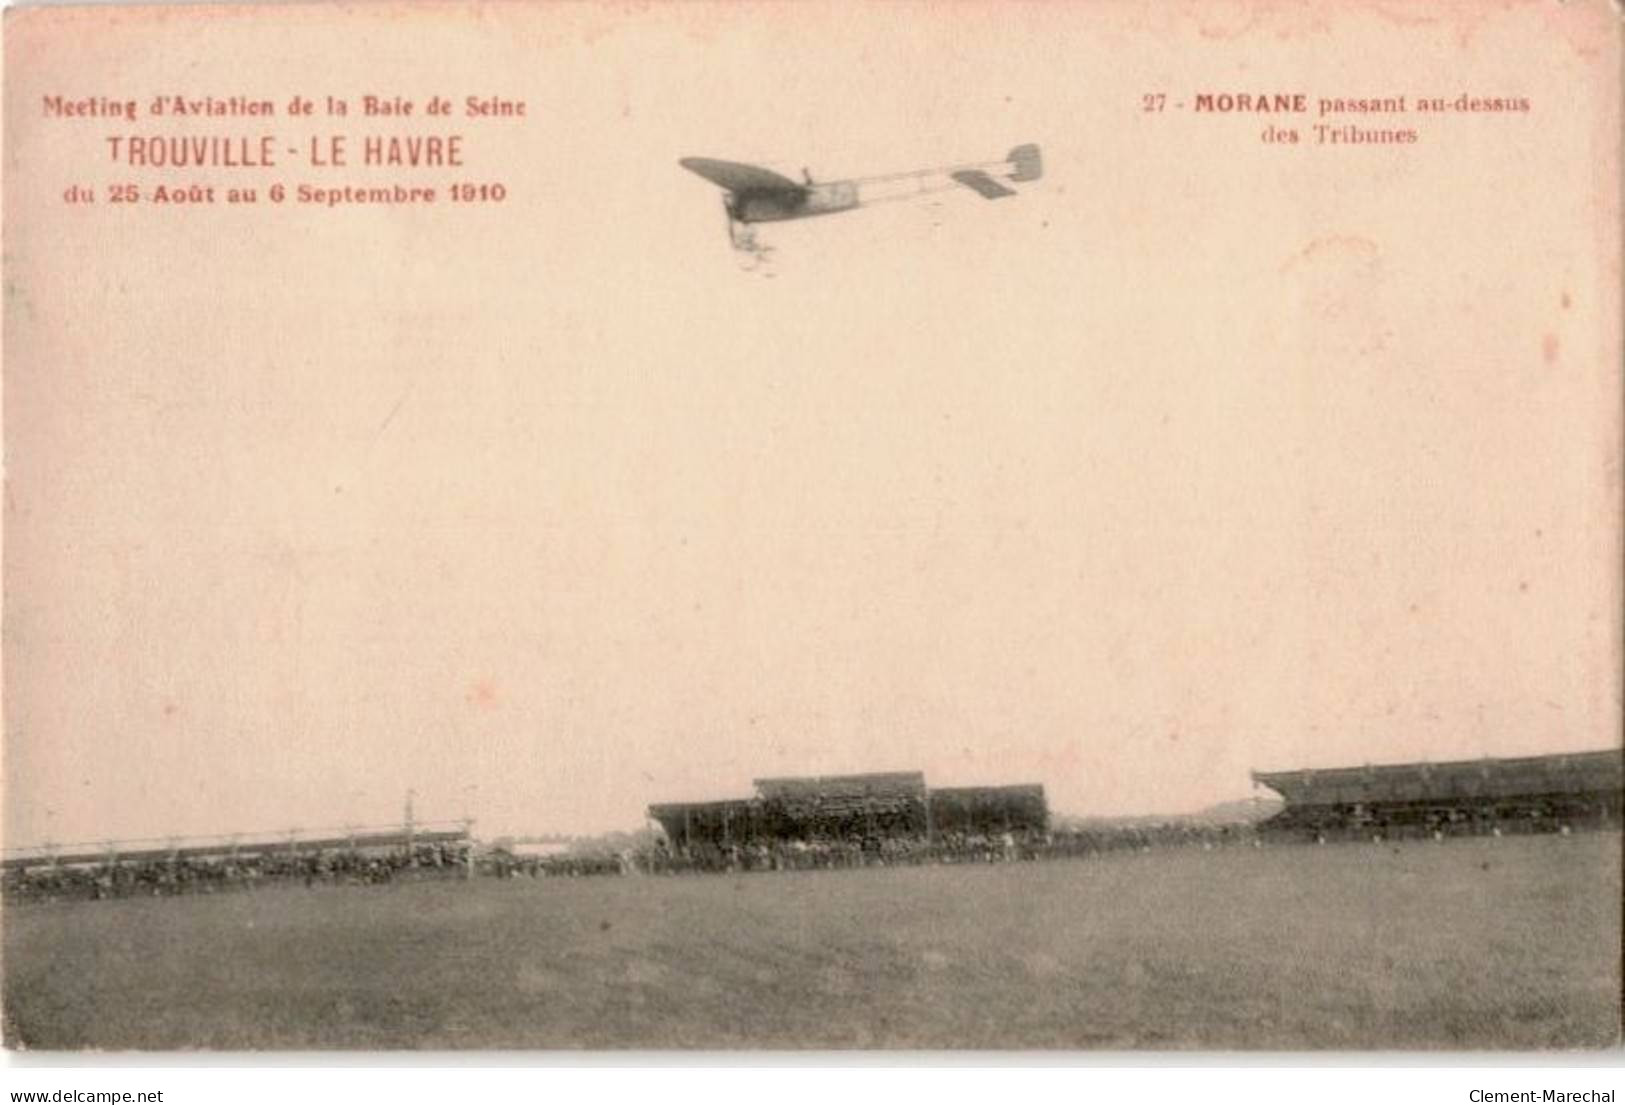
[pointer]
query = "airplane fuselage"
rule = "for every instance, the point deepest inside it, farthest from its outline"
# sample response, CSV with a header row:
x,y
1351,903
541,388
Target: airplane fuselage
x,y
774,205
753,194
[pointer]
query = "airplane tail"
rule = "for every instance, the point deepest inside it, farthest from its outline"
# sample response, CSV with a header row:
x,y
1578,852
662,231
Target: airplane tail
x,y
1027,163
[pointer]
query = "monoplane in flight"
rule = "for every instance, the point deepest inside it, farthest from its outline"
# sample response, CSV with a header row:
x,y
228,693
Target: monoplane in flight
x,y
757,195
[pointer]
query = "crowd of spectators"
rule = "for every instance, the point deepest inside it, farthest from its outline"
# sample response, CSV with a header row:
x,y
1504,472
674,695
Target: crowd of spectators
x,y
1327,824
148,876
1085,840
502,864
946,848
1076,841
160,875
662,857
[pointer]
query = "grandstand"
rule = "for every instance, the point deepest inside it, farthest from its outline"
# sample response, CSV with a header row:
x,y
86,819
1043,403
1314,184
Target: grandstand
x,y
987,810
365,841
176,865
719,823
1527,794
886,805
890,804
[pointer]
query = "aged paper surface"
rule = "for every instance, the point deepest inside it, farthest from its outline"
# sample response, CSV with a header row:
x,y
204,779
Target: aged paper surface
x,y
460,518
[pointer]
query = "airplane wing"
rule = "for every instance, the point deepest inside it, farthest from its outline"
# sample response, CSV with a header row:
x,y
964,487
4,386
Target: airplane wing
x,y
736,177
979,181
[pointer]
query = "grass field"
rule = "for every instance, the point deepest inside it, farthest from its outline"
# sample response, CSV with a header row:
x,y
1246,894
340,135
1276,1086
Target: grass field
x,y
1511,943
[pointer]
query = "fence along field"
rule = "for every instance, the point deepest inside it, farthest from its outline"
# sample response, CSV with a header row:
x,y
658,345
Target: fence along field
x,y
1469,943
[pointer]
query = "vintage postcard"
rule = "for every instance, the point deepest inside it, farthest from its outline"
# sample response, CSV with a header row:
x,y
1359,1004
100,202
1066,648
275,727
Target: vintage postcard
x,y
832,525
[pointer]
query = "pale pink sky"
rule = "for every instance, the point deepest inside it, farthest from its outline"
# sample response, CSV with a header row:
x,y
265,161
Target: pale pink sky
x,y
1200,456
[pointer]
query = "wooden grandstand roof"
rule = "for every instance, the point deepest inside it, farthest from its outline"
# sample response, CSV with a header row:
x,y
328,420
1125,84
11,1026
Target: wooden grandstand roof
x,y
714,807
878,784
146,851
1568,773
